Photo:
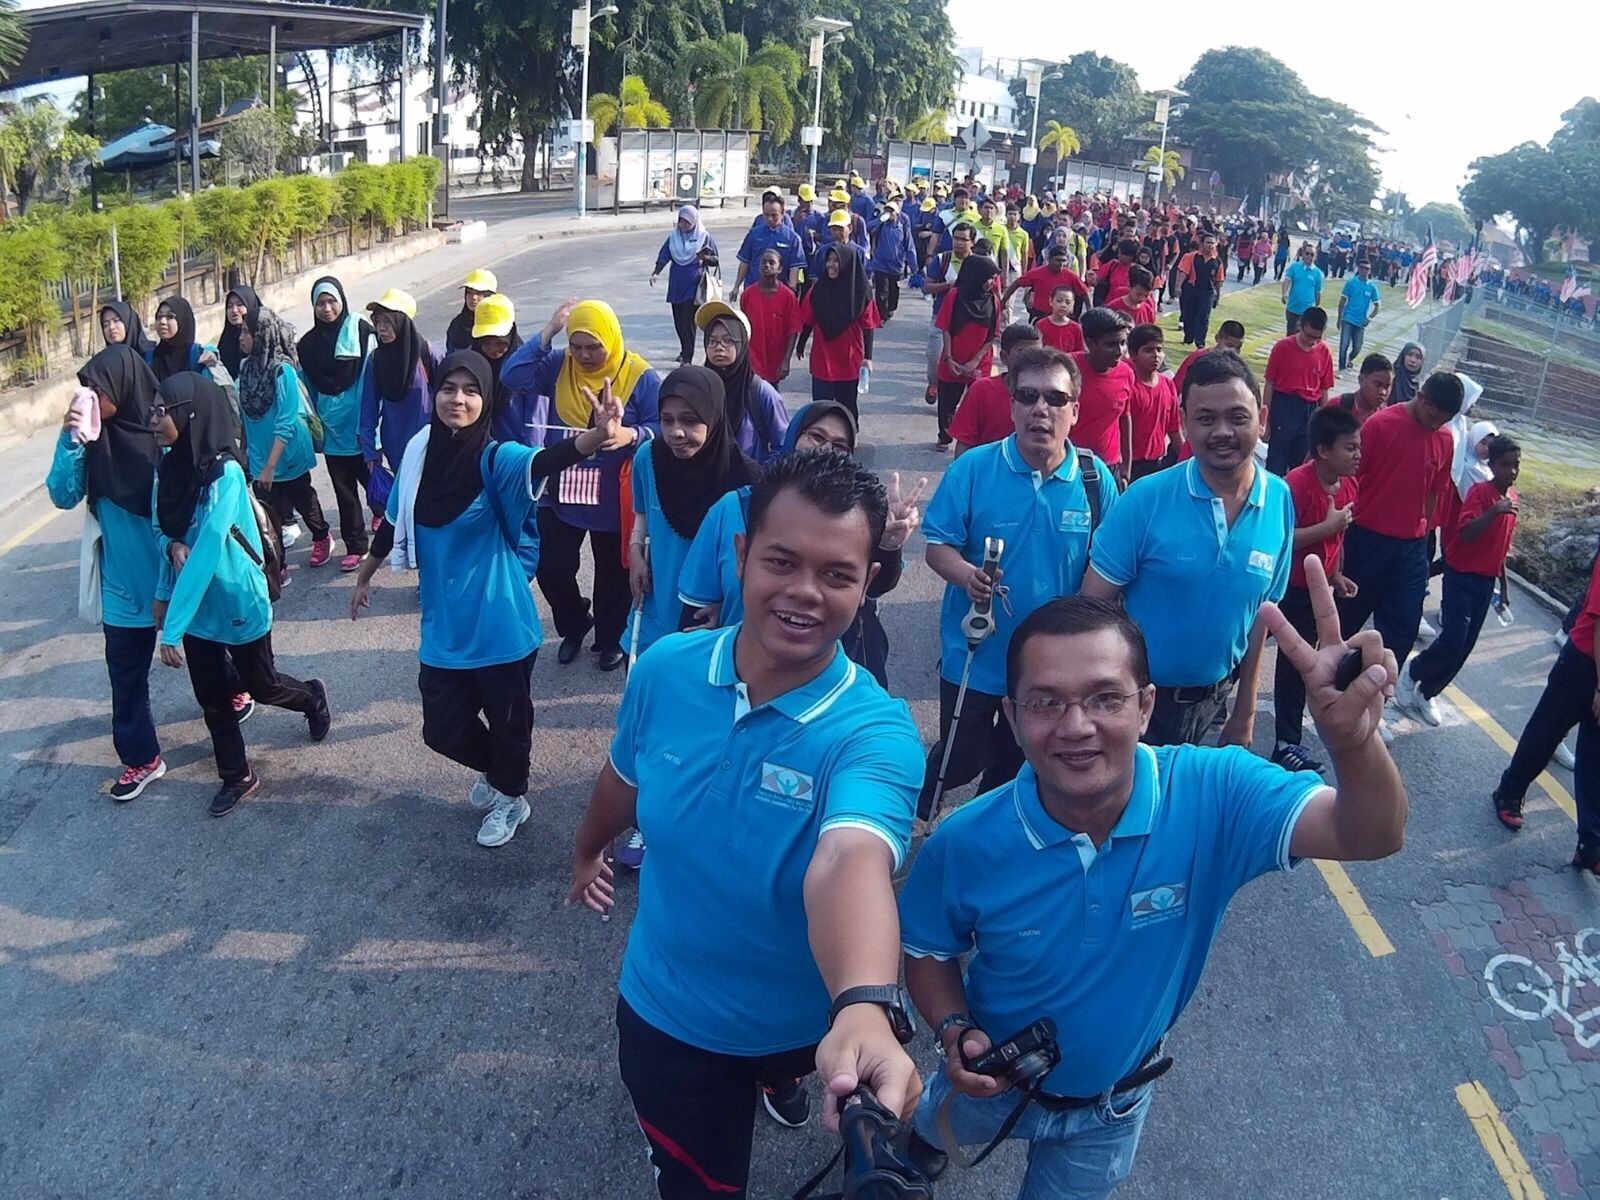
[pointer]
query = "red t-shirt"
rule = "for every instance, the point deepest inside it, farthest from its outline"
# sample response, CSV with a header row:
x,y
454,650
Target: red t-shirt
x,y
1142,313
1116,276
1183,367
1040,282
1067,338
838,360
1105,397
1486,553
1303,373
1311,508
773,320
1402,464
964,342
1581,636
1155,416
984,414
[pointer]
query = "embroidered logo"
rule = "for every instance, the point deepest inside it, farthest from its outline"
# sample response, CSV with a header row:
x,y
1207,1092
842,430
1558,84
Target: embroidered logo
x,y
1072,518
1261,561
1157,903
786,785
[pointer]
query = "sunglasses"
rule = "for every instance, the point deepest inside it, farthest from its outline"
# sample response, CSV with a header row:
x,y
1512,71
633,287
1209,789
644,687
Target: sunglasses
x,y
1052,396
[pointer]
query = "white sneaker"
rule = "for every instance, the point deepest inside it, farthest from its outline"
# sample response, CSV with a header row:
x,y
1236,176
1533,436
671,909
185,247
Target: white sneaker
x,y
508,812
291,534
482,795
1425,631
1565,756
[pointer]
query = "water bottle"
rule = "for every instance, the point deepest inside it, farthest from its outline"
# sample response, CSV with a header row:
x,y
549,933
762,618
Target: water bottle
x,y
864,380
1502,614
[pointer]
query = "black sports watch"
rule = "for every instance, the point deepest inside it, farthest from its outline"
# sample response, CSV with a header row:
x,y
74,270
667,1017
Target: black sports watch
x,y
892,998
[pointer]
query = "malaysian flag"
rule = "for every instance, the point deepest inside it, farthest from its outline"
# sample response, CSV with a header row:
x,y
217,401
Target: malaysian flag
x,y
1417,285
1569,285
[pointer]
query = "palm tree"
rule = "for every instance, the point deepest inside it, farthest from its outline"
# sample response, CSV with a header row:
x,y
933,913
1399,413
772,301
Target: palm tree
x,y
733,88
637,109
13,37
1063,139
930,127
1171,167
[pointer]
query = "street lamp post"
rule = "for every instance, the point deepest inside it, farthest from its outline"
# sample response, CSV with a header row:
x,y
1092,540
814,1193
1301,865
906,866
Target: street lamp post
x,y
1164,99
582,19
825,32
1033,84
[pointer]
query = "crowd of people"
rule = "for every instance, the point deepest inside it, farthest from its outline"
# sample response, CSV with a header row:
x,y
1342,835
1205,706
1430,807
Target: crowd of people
x,y
1116,556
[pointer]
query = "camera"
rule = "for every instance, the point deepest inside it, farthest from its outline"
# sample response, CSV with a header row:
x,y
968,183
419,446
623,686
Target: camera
x,y
876,1165
1023,1059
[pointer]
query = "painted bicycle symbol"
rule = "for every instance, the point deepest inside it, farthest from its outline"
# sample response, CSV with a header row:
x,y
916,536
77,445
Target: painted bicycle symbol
x,y
1524,988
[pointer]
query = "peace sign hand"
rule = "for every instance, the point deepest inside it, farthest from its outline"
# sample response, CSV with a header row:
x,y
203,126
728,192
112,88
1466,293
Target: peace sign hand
x,y
1348,718
904,515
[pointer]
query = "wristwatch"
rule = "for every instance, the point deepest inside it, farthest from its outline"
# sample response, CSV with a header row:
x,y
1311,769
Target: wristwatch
x,y
892,998
964,1020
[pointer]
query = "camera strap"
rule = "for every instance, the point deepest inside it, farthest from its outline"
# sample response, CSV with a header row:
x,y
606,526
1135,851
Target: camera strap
x,y
947,1136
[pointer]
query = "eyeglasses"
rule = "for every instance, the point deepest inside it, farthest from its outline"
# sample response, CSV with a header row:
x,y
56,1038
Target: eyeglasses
x,y
1052,396
815,439
158,412
718,343
1050,709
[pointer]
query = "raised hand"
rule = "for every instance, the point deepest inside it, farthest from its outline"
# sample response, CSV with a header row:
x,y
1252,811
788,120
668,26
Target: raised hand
x,y
904,515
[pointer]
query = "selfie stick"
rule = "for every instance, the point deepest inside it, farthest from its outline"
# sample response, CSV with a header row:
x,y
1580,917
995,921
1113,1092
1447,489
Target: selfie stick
x,y
976,626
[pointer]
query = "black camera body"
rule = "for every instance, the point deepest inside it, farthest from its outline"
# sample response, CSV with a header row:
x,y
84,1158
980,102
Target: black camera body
x,y
876,1165
1023,1059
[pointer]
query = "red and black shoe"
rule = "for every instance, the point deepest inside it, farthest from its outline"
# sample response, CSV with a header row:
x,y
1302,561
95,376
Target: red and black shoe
x,y
1509,814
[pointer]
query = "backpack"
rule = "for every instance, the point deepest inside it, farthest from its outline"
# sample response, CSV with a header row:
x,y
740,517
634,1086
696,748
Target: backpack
x,y
1091,488
270,559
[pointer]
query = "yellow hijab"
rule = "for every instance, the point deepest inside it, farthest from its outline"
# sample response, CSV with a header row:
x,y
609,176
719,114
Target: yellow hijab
x,y
622,366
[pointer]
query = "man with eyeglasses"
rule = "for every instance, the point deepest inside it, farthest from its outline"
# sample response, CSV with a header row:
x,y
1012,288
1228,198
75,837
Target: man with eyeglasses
x,y
1302,287
1031,491
1140,850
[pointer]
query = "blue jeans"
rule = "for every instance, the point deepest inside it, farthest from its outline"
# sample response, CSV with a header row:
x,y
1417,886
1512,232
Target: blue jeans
x,y
1461,612
1077,1155
1351,338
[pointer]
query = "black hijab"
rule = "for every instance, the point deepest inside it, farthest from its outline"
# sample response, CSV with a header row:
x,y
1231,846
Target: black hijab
x,y
686,488
328,374
452,474
1406,381
228,344
810,415
120,464
836,303
208,436
133,334
975,302
513,340
171,355
395,364
738,380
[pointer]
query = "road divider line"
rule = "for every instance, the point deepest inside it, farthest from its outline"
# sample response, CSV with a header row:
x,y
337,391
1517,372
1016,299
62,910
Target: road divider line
x,y
22,535
1355,908
1498,1143
1475,713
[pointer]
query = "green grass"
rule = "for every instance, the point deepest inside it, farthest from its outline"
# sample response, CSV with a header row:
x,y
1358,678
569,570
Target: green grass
x,y
1532,343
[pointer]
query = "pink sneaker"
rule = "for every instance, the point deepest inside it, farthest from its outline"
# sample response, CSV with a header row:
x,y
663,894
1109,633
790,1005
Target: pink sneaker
x,y
321,551
134,780
377,519
350,562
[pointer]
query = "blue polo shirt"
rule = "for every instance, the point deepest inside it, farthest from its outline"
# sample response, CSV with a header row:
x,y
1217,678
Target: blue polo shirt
x,y
732,800
991,492
1118,949
710,571
1360,295
1304,284
1191,583
763,237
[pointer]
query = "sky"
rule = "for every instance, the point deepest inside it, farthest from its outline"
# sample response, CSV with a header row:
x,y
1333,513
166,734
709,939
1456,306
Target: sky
x,y
1430,134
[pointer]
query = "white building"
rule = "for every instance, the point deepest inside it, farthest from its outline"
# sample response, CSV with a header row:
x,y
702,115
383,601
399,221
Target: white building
x,y
984,93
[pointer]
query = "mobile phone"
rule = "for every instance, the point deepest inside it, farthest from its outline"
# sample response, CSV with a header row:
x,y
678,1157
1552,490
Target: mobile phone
x,y
1347,670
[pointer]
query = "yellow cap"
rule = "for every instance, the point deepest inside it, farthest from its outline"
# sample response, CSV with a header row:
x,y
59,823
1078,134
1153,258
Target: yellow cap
x,y
838,185
941,187
711,310
494,315
856,180
806,192
840,218
838,196
395,301
480,280
929,204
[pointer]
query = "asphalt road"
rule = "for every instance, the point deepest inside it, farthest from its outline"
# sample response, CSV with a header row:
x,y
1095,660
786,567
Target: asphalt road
x,y
336,992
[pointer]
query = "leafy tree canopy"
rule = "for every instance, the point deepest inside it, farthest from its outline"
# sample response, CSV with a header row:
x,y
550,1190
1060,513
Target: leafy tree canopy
x,y
1098,97
1544,189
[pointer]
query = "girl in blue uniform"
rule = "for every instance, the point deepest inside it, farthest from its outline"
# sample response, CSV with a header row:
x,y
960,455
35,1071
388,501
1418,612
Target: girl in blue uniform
x,y
211,582
120,324
456,515
277,443
757,415
177,350
332,355
239,308
397,389
114,472
518,416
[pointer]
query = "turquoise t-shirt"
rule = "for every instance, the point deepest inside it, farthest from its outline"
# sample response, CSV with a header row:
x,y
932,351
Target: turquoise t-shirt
x,y
341,418
281,420
221,594
657,615
1304,284
710,571
129,560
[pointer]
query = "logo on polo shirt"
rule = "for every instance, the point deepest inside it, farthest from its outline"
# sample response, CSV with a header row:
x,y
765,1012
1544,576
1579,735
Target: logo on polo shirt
x,y
1158,903
1261,561
1072,518
786,786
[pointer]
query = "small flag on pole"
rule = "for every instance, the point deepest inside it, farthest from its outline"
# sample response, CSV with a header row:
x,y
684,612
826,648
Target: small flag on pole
x,y
1417,285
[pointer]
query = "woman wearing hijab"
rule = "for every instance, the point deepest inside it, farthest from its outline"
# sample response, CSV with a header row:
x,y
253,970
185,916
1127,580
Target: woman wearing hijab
x,y
692,251
332,355
211,579
840,308
176,350
968,318
113,470
516,416
755,411
708,581
456,515
478,284
397,387
119,324
239,308
585,499
1407,373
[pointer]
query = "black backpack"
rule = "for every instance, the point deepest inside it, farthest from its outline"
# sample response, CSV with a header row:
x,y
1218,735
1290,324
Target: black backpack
x,y
270,560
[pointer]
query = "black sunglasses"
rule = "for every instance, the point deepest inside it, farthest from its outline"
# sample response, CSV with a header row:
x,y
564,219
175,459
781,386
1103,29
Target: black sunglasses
x,y
1052,396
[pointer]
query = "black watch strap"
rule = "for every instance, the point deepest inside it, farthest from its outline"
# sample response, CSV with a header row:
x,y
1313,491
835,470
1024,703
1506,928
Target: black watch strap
x,y
890,997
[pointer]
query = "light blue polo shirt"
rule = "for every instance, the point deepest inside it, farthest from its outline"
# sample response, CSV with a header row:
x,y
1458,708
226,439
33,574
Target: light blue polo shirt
x,y
732,800
710,571
1304,284
1191,583
991,492
1118,949
1359,297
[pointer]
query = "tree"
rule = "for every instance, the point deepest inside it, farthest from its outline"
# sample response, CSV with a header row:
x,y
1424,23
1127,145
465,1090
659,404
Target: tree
x,y
1062,139
1171,165
932,127
13,38
636,109
1449,221
1099,96
127,99
734,89
38,151
254,139
1531,185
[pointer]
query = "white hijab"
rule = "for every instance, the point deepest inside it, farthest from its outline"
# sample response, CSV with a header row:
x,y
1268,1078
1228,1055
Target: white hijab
x,y
1469,468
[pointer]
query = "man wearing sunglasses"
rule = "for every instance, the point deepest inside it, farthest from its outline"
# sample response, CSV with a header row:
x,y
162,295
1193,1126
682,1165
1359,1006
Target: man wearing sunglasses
x,y
1302,287
1031,491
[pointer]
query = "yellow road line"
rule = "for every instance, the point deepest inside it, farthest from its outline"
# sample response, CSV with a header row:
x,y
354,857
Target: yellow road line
x,y
1499,736
1355,908
22,535
1498,1143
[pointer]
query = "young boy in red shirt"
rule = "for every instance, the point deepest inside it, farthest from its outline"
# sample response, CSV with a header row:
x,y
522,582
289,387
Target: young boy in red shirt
x,y
1104,423
1230,336
1059,331
1153,404
984,413
1298,378
1476,543
1136,301
1324,492
774,316
1043,281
